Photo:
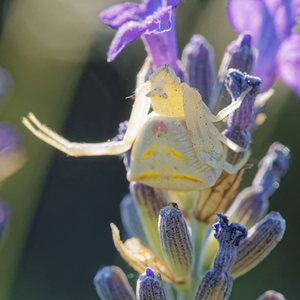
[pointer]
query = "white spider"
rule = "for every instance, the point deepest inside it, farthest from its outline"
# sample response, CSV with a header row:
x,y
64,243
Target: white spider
x,y
175,147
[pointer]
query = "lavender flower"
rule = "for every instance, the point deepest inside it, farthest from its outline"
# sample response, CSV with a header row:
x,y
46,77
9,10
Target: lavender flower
x,y
252,203
112,284
175,240
278,48
4,216
198,65
271,295
154,21
11,153
149,286
238,55
217,281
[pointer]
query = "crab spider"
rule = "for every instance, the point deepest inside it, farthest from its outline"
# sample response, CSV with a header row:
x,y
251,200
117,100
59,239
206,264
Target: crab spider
x,y
175,147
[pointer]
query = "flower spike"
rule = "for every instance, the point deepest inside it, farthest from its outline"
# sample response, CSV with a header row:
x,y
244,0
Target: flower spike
x,y
217,282
112,284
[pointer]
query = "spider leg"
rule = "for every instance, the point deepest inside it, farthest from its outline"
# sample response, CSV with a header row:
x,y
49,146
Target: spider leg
x,y
232,169
138,115
228,109
218,135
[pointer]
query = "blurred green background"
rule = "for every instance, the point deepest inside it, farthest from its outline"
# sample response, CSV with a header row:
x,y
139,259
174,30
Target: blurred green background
x,y
59,232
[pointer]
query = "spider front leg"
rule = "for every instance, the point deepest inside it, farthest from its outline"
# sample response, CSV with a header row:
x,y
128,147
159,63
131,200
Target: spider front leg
x,y
228,109
138,115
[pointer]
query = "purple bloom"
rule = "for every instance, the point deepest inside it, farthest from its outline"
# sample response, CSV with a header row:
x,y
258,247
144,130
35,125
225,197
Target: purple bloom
x,y
198,65
11,151
9,137
149,286
112,283
217,281
278,49
4,216
240,121
153,20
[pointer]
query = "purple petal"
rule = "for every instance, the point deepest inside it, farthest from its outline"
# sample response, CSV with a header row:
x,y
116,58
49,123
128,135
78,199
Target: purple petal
x,y
153,5
10,138
160,21
124,36
160,38
172,3
4,215
116,15
270,22
245,15
288,62
263,16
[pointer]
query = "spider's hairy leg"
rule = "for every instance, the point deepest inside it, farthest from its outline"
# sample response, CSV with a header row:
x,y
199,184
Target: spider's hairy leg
x,y
138,115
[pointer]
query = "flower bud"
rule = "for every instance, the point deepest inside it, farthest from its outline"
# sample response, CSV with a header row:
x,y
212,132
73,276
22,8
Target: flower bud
x,y
271,295
12,155
216,198
131,220
198,66
217,282
252,203
175,241
4,216
240,121
149,201
149,286
238,55
261,240
111,284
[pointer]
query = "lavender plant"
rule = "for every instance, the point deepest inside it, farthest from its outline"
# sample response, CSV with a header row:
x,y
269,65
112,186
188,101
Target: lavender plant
x,y
170,239
180,256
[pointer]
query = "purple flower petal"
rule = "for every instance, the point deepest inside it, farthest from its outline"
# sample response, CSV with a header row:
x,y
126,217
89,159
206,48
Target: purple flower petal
x,y
4,215
116,15
160,21
10,138
263,17
126,34
154,18
270,22
288,62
